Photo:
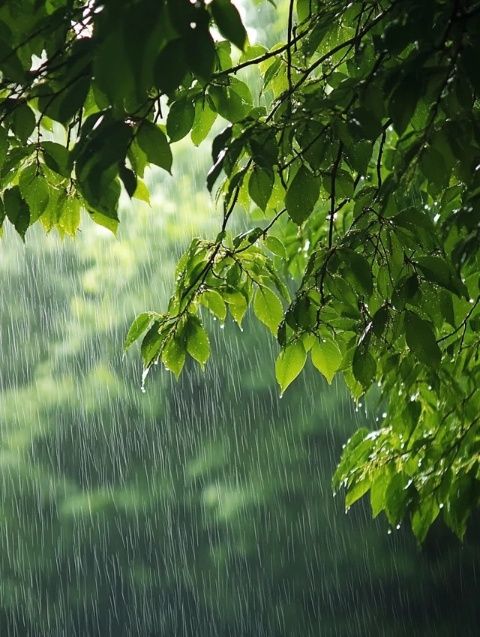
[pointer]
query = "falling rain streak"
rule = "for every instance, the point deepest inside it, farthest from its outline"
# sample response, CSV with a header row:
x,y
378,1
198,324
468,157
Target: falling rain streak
x,y
198,508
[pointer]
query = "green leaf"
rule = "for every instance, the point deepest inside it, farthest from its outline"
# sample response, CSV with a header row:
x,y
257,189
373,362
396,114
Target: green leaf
x,y
35,190
138,158
304,9
363,366
379,321
204,120
171,66
289,364
181,14
141,192
229,22
151,344
237,305
102,194
17,210
260,186
357,270
424,517
180,119
402,104
4,143
433,167
446,307
173,356
23,122
344,184
357,491
359,158
141,323
420,339
276,246
268,308
397,496
69,219
358,447
264,147
107,222
437,270
198,344
377,492
462,494
57,158
66,103
129,179
200,52
232,101
302,195
214,302
49,218
327,358
112,72
153,142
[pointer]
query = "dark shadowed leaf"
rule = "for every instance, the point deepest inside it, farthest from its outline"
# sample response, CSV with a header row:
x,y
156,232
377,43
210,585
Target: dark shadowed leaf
x,y
363,366
229,22
302,195
421,339
180,119
260,186
17,210
153,142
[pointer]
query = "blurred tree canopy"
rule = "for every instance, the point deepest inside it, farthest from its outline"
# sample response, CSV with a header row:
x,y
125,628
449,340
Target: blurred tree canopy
x,y
352,146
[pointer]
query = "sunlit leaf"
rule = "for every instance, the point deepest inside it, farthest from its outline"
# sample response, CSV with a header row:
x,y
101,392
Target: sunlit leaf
x,y
198,344
289,364
326,357
268,308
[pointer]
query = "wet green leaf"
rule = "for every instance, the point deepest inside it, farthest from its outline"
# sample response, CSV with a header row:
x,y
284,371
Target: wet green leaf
x,y
153,142
69,219
421,340
171,66
363,366
276,246
229,22
17,210
57,158
35,190
289,364
198,344
180,119
302,195
327,358
260,186
23,122
204,120
215,303
141,323
173,356
268,308
152,344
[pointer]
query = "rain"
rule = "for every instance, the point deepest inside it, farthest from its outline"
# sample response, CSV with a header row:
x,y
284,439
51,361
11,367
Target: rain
x,y
200,507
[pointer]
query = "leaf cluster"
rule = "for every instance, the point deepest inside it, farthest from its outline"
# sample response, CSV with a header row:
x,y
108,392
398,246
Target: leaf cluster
x,y
357,163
